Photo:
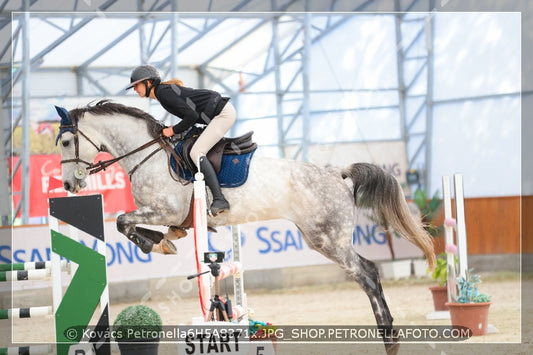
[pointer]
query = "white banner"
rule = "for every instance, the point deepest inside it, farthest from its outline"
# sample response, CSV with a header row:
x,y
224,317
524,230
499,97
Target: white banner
x,y
265,245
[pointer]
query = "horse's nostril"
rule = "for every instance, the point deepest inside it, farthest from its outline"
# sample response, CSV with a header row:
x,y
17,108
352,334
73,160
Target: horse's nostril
x,y
66,185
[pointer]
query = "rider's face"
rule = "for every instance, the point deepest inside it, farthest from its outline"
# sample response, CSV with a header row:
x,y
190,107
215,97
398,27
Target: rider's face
x,y
140,89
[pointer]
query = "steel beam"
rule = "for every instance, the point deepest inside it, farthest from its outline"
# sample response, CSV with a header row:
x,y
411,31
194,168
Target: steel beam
x,y
306,62
25,156
429,31
274,44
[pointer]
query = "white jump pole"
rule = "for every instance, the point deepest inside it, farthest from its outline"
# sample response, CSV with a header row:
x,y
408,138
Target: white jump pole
x,y
205,278
200,241
460,225
57,289
56,262
448,239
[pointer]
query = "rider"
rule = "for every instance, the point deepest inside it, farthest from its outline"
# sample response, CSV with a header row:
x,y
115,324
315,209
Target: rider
x,y
193,106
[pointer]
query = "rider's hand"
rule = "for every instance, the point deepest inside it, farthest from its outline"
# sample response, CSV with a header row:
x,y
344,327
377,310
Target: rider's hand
x,y
168,132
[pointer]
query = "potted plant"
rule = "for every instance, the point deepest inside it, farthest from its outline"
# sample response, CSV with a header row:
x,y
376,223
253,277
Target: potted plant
x,y
137,329
440,291
472,308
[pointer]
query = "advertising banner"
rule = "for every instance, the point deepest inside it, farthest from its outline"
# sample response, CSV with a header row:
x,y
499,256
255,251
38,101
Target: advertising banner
x,y
265,245
45,182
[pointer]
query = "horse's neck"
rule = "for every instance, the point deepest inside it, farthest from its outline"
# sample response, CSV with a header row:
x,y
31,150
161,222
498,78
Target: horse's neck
x,y
120,134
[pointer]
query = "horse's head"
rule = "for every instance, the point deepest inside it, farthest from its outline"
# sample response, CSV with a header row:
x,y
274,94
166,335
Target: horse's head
x,y
102,127
77,152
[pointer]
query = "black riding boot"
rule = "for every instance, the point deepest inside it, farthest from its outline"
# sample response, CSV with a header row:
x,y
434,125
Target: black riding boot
x,y
220,203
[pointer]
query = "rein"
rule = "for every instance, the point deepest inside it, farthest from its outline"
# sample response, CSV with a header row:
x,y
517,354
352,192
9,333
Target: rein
x,y
93,168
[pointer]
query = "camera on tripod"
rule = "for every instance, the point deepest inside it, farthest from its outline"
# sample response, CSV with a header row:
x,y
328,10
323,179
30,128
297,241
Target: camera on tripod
x,y
213,257
223,308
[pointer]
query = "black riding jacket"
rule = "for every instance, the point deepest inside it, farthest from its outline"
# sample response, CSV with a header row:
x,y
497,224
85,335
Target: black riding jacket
x,y
191,105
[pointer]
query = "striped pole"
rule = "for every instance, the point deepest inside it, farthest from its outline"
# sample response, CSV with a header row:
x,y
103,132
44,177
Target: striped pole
x,y
35,265
21,275
229,269
30,312
26,266
238,312
28,350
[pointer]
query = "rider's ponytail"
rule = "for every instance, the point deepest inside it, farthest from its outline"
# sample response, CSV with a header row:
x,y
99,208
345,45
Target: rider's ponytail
x,y
174,81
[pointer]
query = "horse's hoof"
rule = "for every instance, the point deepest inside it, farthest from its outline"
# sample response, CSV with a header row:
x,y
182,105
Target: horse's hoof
x,y
393,345
145,244
176,233
168,247
392,349
155,236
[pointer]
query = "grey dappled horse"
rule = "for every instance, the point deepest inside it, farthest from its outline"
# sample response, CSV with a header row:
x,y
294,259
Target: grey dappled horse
x,y
321,202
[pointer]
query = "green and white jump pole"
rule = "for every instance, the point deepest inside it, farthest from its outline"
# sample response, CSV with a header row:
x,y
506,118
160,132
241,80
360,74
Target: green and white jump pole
x,y
74,309
88,288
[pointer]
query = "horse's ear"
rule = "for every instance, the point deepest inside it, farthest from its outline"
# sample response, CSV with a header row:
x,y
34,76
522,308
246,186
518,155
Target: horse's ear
x,y
65,117
65,121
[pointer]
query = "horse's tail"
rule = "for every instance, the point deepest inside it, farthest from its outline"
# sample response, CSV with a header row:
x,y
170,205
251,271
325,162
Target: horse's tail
x,y
381,192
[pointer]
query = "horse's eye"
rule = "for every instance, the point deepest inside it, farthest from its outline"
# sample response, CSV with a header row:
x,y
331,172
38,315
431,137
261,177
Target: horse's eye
x,y
65,143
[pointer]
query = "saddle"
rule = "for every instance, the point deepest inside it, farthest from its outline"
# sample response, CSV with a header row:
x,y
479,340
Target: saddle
x,y
226,146
241,145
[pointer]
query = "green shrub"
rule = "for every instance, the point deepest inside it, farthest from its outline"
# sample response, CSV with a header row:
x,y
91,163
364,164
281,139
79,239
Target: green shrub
x,y
137,322
440,273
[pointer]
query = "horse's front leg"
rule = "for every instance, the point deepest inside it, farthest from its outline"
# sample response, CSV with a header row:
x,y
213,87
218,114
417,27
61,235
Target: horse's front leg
x,y
146,239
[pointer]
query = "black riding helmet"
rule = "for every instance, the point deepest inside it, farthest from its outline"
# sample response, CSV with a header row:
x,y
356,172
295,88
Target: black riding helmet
x,y
143,73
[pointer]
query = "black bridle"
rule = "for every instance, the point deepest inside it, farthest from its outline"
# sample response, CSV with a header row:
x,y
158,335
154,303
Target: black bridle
x,y
93,168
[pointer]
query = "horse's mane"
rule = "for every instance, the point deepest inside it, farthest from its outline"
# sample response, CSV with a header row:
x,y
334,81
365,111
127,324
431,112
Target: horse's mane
x,y
107,107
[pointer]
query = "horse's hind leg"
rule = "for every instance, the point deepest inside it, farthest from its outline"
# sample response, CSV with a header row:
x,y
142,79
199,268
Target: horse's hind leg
x,y
365,273
368,278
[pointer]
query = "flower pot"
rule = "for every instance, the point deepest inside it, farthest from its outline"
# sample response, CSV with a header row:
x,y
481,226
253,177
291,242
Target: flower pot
x,y
396,269
440,297
471,315
138,346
